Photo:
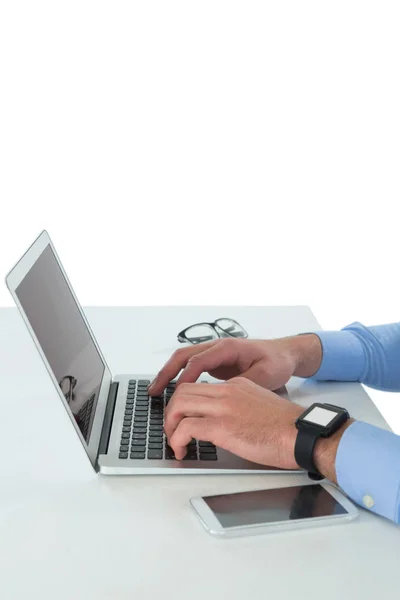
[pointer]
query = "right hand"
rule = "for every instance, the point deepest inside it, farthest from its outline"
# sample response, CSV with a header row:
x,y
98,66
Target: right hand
x,y
269,363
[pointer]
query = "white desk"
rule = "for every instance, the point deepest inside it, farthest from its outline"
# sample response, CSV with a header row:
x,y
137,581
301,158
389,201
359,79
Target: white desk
x,y
69,534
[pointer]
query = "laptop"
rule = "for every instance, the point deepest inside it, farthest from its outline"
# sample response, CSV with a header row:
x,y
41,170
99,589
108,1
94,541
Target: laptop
x,y
119,425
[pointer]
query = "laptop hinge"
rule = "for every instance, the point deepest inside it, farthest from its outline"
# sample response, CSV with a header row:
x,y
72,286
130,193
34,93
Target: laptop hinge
x,y
108,418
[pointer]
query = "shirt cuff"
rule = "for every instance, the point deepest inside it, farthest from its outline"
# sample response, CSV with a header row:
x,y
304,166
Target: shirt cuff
x,y
368,468
343,357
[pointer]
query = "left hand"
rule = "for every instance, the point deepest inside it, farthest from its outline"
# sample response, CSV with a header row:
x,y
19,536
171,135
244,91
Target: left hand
x,y
238,416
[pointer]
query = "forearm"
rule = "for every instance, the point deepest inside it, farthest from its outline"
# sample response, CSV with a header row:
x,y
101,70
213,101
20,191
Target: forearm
x,y
365,462
370,355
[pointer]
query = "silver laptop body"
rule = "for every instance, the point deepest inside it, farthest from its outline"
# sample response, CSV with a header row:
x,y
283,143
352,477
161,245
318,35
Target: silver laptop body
x,y
108,412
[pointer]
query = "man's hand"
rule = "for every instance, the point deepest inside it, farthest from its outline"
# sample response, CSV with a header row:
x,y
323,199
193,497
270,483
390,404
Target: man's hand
x,y
269,363
238,416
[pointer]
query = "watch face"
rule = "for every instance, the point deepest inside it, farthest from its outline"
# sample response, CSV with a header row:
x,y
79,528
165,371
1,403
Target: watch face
x,y
320,416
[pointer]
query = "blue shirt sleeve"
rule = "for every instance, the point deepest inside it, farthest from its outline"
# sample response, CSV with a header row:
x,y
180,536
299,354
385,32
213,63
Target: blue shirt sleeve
x,y
370,355
368,468
368,458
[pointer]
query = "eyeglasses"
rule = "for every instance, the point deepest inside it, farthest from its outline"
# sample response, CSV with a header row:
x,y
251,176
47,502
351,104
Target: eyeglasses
x,y
67,385
205,332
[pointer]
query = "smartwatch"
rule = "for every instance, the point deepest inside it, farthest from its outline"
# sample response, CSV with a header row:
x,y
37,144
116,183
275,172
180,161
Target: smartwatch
x,y
319,420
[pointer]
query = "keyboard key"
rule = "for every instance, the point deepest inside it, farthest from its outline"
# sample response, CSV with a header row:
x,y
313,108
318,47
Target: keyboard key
x,y
129,403
142,403
132,381
157,454
126,429
208,450
155,446
125,442
144,382
155,438
140,419
141,409
128,412
139,436
127,423
137,455
123,455
206,444
208,456
125,436
139,443
130,396
190,456
156,428
156,420
139,429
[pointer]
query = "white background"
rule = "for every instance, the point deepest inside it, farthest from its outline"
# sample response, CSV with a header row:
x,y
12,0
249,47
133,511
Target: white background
x,y
185,152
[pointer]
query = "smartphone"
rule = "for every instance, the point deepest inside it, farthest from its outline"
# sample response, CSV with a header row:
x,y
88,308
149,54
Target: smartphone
x,y
273,510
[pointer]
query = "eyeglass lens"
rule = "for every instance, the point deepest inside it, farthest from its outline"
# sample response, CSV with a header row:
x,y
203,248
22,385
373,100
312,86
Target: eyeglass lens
x,y
201,333
231,328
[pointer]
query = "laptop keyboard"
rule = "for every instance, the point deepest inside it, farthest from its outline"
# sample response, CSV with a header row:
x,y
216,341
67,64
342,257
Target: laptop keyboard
x,y
142,433
84,414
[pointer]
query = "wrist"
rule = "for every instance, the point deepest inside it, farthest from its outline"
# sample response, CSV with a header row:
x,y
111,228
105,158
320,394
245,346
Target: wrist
x,y
307,354
325,452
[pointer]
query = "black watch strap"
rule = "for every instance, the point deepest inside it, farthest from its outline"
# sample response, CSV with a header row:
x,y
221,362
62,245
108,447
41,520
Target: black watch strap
x,y
304,451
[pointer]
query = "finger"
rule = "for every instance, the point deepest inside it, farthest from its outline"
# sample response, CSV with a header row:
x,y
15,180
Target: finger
x,y
221,353
209,390
183,407
205,429
172,367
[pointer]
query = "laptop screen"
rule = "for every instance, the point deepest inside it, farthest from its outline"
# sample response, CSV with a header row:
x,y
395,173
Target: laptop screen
x,y
55,318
